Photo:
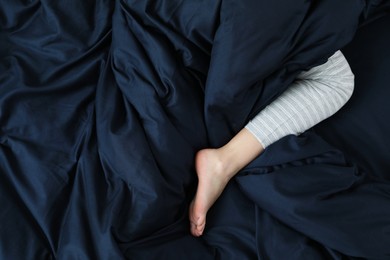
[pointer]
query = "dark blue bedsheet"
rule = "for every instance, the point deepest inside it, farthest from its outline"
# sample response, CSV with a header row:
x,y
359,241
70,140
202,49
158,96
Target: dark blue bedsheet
x,y
103,105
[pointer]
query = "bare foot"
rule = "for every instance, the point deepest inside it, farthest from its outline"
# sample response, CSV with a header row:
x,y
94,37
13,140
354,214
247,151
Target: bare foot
x,y
215,167
212,179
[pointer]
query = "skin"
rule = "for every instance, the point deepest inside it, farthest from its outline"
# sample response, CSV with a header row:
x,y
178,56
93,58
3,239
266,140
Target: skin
x,y
215,168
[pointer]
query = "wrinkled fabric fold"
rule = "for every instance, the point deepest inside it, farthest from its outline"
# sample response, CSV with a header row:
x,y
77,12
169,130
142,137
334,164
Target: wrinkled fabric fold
x,y
104,104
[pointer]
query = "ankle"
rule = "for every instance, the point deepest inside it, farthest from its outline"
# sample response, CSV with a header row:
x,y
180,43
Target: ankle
x,y
239,152
228,162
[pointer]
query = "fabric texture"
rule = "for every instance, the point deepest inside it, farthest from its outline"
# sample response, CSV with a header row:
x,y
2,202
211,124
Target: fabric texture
x,y
316,95
104,104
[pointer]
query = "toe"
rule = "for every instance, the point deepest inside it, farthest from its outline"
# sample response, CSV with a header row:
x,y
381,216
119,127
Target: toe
x,y
197,221
197,230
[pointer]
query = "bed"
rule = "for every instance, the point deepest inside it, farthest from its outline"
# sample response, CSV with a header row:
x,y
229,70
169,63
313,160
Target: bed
x,y
104,104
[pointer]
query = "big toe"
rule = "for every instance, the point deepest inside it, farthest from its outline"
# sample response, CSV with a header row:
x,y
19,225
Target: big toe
x,y
197,220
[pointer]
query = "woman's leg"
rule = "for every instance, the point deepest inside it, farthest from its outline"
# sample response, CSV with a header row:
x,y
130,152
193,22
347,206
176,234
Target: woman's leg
x,y
215,167
318,94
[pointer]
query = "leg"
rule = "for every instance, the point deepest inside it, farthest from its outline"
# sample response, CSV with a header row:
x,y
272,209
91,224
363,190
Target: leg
x,y
215,167
323,88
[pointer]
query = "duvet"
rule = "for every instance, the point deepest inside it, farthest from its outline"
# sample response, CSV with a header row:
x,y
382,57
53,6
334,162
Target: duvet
x,y
103,105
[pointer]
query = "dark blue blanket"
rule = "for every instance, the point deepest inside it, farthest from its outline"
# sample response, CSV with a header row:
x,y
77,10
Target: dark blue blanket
x,y
103,105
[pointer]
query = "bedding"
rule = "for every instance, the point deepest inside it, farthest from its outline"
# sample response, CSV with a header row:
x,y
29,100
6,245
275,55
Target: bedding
x,y
103,105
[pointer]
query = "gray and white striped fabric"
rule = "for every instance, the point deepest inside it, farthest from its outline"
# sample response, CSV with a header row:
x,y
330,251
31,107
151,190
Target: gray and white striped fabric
x,y
315,95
